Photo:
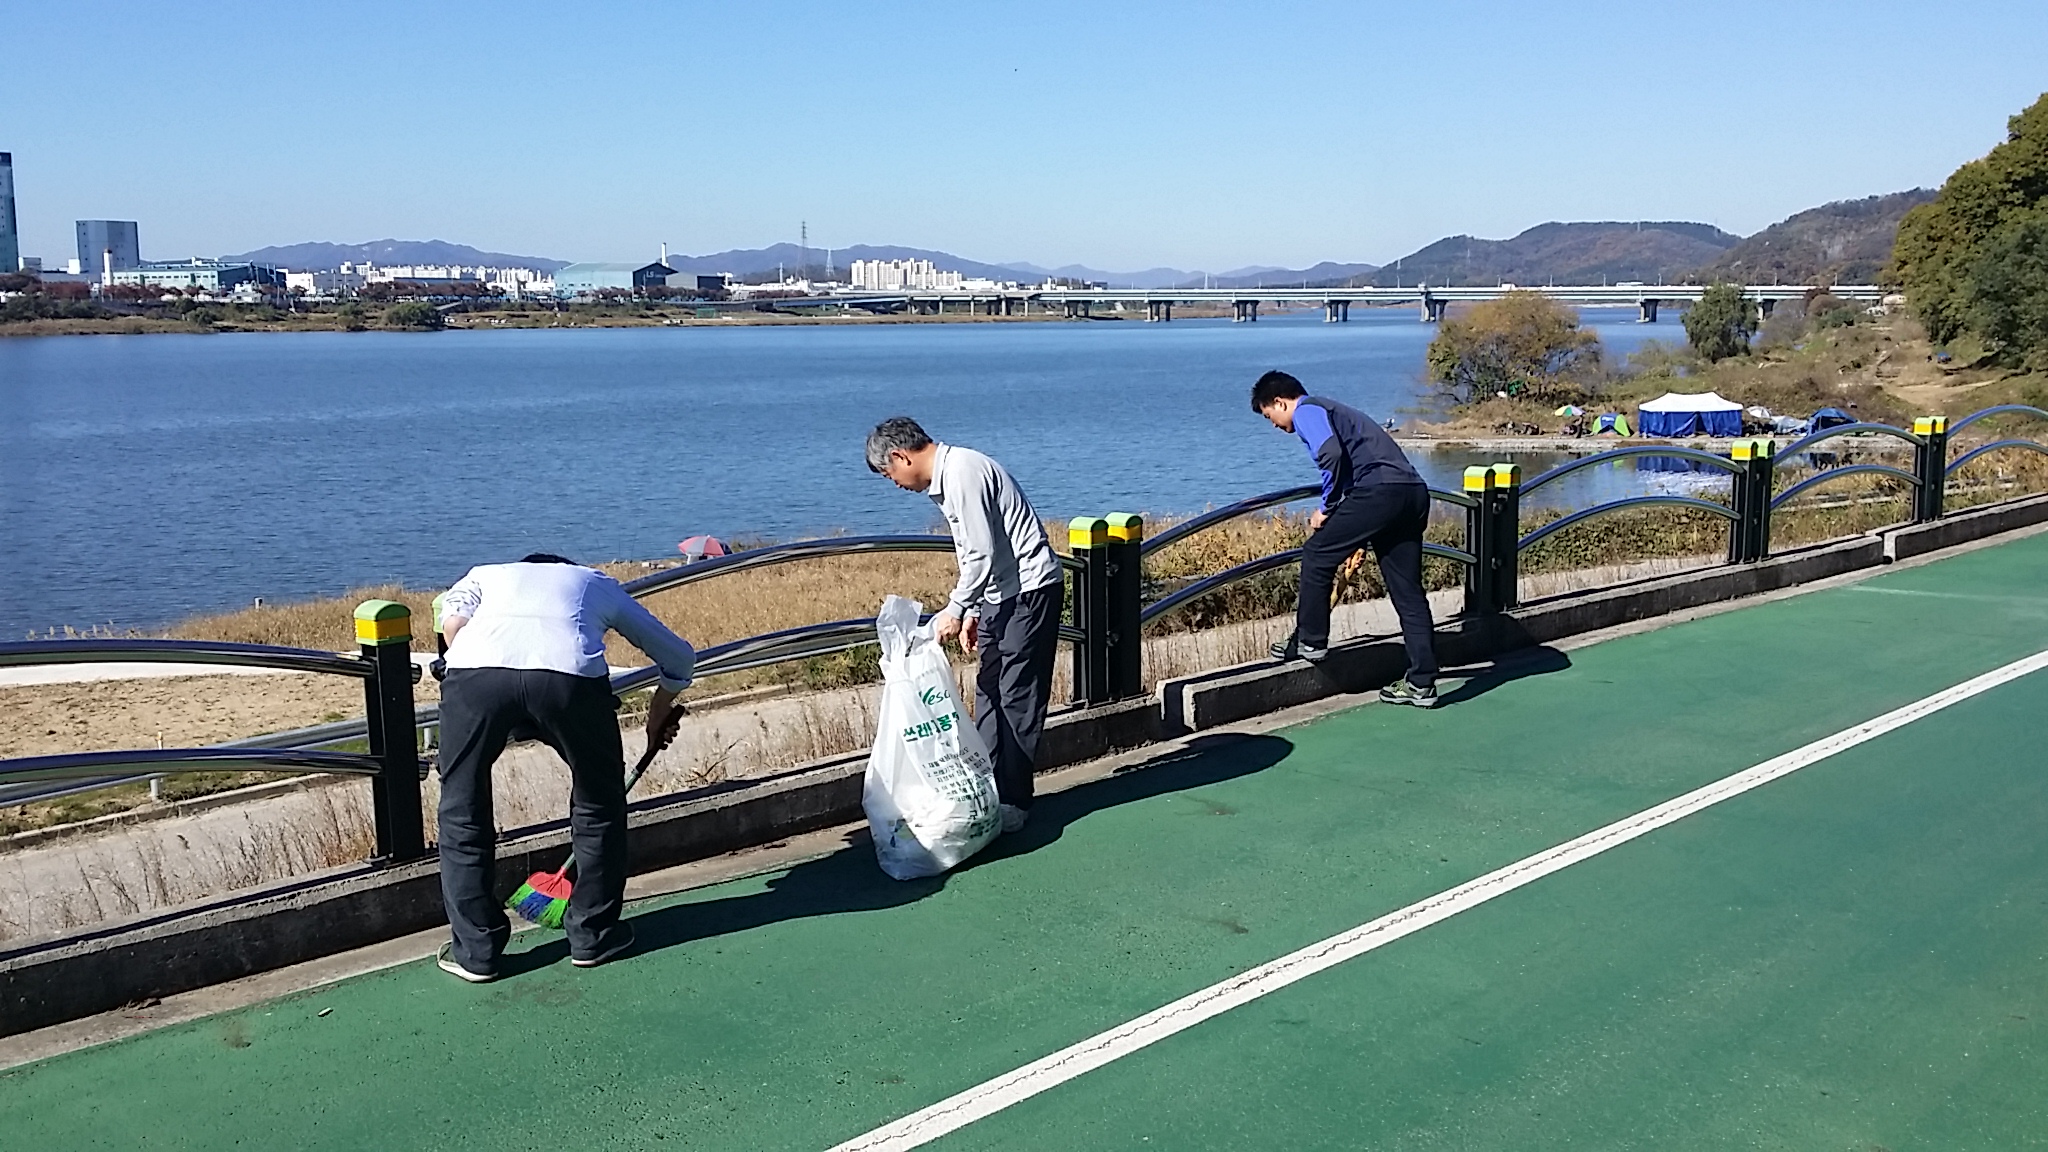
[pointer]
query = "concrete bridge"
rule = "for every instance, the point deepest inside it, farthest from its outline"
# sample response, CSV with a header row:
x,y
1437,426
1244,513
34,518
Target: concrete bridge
x,y
1431,301
1336,303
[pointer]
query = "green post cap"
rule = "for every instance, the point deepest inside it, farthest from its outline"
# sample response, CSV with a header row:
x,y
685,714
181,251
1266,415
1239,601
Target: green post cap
x,y
1087,532
383,622
1125,526
1507,475
1478,478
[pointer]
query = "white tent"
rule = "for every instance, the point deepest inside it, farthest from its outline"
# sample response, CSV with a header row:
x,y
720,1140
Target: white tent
x,y
1695,414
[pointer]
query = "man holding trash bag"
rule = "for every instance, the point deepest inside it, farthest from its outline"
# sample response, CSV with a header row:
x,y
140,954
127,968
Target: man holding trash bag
x,y
1372,496
1006,605
526,651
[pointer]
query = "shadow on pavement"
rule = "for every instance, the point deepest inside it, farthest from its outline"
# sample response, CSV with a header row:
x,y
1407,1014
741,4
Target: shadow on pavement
x,y
850,881
1537,661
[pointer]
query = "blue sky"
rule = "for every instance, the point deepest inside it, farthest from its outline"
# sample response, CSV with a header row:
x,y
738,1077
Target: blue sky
x,y
1117,135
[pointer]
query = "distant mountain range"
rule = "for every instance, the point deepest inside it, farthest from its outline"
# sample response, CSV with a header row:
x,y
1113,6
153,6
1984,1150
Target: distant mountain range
x,y
321,257
1847,241
1590,253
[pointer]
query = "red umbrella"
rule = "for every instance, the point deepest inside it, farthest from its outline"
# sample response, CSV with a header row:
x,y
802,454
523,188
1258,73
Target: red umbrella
x,y
700,548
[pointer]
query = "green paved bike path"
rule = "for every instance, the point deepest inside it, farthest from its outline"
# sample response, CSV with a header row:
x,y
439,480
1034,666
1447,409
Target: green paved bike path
x,y
1853,957
796,1010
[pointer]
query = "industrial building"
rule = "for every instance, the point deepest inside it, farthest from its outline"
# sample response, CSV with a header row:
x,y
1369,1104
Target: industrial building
x,y
105,245
587,279
209,276
10,238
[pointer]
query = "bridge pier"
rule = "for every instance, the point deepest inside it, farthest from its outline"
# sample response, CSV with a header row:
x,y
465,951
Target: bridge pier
x,y
1646,311
1158,311
1433,309
1247,311
1763,309
1336,311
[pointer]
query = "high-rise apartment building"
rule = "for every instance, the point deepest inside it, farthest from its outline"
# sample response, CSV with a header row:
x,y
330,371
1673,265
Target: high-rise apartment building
x,y
10,238
96,238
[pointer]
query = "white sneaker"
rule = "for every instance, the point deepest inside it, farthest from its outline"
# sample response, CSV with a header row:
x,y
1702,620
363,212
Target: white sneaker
x,y
1013,817
445,958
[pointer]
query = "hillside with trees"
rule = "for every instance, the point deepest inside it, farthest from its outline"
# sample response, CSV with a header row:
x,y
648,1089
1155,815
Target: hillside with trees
x,y
1845,242
1974,261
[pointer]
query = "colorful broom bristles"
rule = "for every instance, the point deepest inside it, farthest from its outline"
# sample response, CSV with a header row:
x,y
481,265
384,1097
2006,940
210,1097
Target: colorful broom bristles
x,y
543,898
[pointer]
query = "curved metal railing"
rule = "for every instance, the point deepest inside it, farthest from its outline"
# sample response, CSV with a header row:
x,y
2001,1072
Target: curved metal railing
x,y
1995,410
1210,519
22,652
1223,579
1563,522
775,554
1673,451
1837,473
77,766
1994,446
1805,442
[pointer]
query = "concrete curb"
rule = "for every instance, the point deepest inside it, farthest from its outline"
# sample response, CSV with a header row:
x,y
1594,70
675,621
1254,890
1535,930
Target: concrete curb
x,y
151,957
1963,527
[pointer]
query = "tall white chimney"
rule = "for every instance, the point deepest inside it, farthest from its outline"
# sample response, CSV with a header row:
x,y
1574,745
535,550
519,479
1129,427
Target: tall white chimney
x,y
106,267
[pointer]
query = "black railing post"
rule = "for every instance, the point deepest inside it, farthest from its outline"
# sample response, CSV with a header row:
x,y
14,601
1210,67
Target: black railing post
x,y
1763,468
1750,500
1125,631
1506,529
1479,542
1930,464
1088,537
384,629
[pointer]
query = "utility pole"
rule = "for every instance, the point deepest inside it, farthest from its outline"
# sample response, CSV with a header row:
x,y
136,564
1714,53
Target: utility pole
x,y
803,246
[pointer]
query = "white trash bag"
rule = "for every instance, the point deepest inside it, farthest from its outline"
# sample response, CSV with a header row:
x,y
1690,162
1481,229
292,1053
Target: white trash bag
x,y
930,793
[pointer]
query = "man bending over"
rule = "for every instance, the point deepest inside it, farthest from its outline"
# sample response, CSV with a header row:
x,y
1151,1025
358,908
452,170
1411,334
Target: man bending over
x,y
1372,496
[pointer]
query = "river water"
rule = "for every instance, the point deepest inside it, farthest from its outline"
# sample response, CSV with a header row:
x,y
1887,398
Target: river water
x,y
146,478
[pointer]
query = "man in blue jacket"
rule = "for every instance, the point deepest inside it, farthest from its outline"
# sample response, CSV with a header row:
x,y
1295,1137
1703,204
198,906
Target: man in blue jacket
x,y
1372,496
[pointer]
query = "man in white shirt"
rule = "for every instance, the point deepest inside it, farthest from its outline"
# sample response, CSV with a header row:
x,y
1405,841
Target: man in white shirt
x,y
1007,602
526,651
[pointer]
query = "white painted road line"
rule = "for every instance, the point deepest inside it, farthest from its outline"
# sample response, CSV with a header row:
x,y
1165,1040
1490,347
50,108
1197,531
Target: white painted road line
x,y
955,1112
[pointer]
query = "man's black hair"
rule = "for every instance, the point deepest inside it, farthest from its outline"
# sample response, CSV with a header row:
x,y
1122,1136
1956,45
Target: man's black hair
x,y
544,558
1275,385
896,433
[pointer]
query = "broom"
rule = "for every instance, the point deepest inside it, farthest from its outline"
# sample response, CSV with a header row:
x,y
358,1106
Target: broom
x,y
545,896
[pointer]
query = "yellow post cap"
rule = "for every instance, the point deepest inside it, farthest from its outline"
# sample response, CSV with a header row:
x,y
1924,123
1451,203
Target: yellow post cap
x,y
1940,423
1507,475
1922,425
1126,526
1087,532
1478,478
383,622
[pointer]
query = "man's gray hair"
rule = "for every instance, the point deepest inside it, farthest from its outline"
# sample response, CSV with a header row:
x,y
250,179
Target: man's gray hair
x,y
896,434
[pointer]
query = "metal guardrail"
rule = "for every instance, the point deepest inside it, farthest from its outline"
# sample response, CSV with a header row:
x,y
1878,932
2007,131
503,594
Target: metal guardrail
x,y
1108,609
1994,446
25,652
1836,473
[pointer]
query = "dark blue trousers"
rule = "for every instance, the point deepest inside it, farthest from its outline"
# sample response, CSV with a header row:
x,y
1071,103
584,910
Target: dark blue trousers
x,y
577,716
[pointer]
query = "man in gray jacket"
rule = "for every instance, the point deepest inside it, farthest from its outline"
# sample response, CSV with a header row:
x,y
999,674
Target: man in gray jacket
x,y
1007,602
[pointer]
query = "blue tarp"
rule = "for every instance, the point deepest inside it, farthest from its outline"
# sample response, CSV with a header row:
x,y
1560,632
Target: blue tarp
x,y
1829,418
1689,423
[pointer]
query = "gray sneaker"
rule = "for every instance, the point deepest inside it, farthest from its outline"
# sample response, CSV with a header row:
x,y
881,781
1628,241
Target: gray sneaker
x,y
445,960
1290,648
1013,817
1402,692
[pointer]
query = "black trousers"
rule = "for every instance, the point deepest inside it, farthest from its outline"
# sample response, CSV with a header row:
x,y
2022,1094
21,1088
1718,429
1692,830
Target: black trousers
x,y
1019,639
577,716
1390,518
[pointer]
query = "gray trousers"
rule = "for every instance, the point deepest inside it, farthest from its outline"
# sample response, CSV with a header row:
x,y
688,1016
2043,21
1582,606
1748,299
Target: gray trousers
x,y
1019,639
577,716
